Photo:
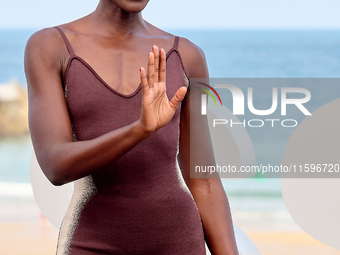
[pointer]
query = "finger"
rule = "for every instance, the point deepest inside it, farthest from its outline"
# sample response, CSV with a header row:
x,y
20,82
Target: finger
x,y
144,81
178,98
155,51
162,66
151,70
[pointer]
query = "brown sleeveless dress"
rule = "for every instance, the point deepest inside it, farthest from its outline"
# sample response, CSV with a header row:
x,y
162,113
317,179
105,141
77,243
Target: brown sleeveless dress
x,y
139,204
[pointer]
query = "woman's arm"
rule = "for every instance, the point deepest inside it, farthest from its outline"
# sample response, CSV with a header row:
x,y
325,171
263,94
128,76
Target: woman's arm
x,y
208,191
61,159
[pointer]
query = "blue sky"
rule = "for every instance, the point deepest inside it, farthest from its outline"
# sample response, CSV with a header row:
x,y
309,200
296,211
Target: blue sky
x,y
185,14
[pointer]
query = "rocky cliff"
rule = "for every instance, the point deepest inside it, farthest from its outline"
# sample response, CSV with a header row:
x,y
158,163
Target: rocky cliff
x,y
13,109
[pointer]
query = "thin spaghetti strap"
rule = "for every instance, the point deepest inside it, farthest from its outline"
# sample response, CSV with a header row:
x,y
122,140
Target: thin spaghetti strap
x,y
176,43
68,45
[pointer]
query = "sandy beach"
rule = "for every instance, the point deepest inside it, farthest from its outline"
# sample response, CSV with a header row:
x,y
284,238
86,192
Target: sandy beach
x,y
277,243
27,238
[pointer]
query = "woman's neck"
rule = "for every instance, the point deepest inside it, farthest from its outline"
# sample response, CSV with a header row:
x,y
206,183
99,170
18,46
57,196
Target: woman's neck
x,y
111,19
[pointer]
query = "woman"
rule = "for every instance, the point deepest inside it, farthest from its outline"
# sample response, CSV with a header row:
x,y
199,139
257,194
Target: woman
x,y
90,124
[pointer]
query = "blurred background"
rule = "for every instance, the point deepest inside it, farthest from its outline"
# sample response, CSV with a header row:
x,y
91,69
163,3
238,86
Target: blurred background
x,y
241,39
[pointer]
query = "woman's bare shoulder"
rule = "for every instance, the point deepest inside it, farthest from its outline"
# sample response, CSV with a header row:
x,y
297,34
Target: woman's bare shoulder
x,y
46,45
46,38
159,37
49,39
193,58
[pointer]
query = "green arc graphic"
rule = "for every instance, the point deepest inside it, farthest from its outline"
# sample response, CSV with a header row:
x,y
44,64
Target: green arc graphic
x,y
208,93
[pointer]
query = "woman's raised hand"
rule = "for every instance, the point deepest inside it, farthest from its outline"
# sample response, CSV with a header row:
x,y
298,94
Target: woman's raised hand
x,y
157,110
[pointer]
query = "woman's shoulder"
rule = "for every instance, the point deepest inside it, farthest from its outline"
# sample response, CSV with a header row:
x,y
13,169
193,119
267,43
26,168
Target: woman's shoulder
x,y
50,37
193,59
50,41
45,46
48,46
45,38
192,55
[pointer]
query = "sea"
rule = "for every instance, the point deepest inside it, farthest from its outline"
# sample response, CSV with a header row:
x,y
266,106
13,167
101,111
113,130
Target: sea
x,y
229,54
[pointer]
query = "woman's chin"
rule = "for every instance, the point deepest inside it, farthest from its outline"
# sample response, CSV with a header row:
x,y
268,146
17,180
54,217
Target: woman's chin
x,y
132,6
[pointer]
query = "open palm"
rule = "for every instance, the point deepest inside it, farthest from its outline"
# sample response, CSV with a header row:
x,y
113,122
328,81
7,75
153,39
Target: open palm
x,y
157,110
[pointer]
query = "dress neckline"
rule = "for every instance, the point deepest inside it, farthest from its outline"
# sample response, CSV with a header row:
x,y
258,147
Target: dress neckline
x,y
102,81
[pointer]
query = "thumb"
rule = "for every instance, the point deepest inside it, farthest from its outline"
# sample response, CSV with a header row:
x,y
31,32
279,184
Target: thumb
x,y
178,97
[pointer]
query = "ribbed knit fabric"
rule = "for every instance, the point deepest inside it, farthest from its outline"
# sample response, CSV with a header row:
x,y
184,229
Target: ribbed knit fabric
x,y
139,204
